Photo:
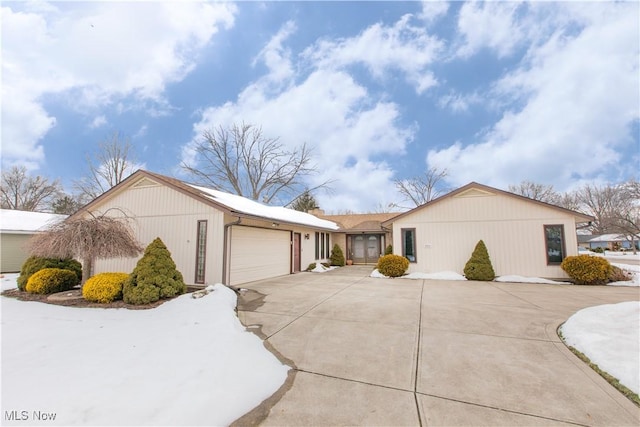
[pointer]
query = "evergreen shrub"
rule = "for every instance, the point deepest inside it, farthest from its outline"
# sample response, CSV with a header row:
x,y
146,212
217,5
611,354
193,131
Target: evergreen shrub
x,y
104,287
51,280
337,256
479,265
388,250
393,265
311,266
33,264
587,270
154,277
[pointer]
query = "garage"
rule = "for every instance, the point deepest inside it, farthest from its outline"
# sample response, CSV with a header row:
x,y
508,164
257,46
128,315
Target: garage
x,y
259,253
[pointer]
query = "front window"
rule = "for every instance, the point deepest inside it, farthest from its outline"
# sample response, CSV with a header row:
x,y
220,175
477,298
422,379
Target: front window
x,y
554,241
201,251
322,245
409,244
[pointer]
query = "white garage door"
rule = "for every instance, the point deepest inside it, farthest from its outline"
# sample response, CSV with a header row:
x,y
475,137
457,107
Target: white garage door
x,y
258,253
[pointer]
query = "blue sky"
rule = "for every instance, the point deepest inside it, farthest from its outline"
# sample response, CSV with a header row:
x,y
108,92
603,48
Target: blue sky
x,y
495,92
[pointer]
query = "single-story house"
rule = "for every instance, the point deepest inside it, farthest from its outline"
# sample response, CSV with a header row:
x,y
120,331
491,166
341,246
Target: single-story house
x,y
612,242
16,227
362,237
523,236
213,236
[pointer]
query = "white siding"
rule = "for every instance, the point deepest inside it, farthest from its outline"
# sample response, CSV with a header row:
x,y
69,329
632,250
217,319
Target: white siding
x,y
512,229
258,253
12,252
160,211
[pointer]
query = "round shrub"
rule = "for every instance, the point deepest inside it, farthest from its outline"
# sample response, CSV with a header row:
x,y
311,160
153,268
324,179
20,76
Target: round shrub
x,y
479,265
34,264
51,280
393,265
337,256
104,287
587,270
154,277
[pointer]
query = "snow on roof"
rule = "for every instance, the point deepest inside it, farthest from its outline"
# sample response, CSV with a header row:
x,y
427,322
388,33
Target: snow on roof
x,y
610,238
275,213
26,222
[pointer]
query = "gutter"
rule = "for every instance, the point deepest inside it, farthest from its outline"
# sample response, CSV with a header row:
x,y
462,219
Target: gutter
x,y
226,251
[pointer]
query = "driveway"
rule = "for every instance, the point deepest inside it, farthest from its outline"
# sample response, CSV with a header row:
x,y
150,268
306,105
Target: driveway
x,y
428,352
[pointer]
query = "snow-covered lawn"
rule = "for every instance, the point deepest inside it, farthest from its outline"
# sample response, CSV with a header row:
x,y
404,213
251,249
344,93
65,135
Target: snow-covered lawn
x,y
187,362
609,335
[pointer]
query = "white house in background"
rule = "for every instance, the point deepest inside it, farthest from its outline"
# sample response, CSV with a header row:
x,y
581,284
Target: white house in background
x,y
612,242
523,236
16,227
213,236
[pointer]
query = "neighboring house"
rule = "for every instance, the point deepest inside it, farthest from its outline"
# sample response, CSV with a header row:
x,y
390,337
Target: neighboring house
x,y
16,227
213,236
612,242
362,237
523,236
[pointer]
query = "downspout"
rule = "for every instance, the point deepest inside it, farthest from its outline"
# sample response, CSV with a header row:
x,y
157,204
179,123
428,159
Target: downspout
x,y
227,250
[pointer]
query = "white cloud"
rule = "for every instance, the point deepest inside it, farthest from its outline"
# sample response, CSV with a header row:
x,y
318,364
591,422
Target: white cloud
x,y
402,46
327,109
459,103
99,121
575,98
96,53
433,10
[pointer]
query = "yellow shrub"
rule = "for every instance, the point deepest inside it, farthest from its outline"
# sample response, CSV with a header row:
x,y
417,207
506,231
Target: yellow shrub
x,y
104,287
587,270
51,280
393,265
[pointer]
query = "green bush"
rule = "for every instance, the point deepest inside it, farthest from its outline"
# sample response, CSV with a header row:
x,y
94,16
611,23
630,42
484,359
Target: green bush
x,y
311,266
479,265
392,265
597,250
34,264
51,280
388,250
337,257
154,277
587,270
104,287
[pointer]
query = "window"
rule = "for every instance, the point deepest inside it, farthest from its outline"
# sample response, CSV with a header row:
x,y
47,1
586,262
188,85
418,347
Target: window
x,y
409,244
554,242
201,251
322,245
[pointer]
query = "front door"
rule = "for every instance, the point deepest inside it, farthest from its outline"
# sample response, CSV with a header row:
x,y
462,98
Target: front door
x,y
365,248
296,252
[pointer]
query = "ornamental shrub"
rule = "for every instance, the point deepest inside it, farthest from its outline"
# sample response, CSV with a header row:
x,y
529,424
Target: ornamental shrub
x,y
51,280
392,265
388,250
154,277
337,257
34,264
618,275
587,270
479,265
104,287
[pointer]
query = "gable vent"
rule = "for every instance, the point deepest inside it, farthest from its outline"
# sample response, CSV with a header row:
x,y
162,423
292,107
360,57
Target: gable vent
x,y
145,182
475,192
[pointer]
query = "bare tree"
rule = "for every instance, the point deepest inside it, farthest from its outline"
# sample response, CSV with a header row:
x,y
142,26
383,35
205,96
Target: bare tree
x,y
87,239
112,164
540,192
242,160
423,188
624,217
601,201
21,191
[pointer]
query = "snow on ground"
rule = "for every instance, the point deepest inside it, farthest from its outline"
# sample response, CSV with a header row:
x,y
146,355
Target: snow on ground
x,y
321,268
608,335
376,274
522,279
442,275
187,362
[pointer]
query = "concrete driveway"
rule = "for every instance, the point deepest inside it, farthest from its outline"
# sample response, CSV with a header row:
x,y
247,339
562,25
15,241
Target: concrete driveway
x,y
427,352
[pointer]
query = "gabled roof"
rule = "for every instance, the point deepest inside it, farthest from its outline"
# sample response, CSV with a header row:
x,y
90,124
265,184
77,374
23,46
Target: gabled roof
x,y
22,222
480,189
612,238
229,203
359,222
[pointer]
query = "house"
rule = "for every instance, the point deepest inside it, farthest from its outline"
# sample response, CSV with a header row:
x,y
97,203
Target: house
x,y
16,227
611,242
523,236
362,237
213,236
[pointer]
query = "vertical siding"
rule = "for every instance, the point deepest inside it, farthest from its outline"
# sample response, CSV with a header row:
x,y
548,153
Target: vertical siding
x,y
159,211
12,252
447,232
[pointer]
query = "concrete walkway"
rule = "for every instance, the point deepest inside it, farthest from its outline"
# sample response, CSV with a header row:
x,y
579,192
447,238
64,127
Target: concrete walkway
x,y
427,352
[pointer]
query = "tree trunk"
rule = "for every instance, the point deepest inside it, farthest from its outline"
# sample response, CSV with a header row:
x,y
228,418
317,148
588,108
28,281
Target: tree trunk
x,y
87,266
